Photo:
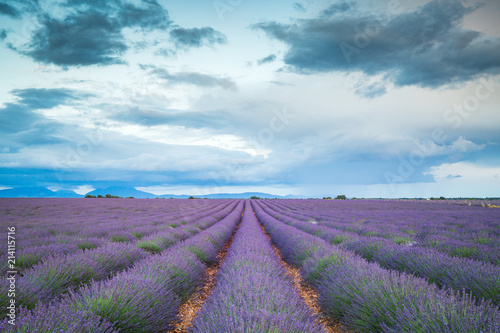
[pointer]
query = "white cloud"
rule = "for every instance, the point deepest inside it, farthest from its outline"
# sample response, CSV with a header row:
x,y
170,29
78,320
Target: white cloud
x,y
460,145
465,172
179,135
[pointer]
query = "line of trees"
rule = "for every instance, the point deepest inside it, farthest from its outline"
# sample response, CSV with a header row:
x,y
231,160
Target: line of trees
x,y
90,196
440,198
338,197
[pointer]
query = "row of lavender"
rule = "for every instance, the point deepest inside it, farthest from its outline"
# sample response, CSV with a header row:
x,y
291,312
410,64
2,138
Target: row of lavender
x,y
253,292
39,239
480,279
369,298
464,231
144,298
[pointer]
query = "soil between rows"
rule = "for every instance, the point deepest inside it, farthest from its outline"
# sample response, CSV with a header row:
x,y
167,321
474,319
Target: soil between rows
x,y
308,294
188,310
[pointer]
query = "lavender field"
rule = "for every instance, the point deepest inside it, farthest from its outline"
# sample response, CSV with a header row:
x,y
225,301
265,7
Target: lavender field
x,y
130,265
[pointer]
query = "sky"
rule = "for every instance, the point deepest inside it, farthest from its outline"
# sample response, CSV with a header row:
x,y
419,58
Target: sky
x,y
365,98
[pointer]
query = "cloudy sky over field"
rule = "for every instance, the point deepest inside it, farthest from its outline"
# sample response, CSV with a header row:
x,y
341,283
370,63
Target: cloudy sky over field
x,y
308,97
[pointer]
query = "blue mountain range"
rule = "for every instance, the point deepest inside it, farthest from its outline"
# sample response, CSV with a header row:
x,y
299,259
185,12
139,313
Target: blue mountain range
x,y
42,192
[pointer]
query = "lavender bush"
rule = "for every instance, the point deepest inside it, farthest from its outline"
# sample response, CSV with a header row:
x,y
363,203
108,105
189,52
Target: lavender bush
x,y
57,319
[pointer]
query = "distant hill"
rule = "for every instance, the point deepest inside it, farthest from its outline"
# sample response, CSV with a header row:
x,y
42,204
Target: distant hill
x,y
132,192
246,195
122,192
42,192
37,192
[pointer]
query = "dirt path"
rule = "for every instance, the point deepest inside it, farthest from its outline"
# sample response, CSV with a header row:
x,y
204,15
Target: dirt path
x,y
308,294
188,310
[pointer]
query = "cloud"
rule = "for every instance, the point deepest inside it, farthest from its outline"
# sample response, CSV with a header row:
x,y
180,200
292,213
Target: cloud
x,y
198,79
338,8
196,37
91,32
34,98
129,153
82,39
284,84
21,125
3,34
466,171
426,47
371,90
8,10
270,58
299,7
153,16
152,117
459,146
463,145
82,4
16,9
149,15
15,118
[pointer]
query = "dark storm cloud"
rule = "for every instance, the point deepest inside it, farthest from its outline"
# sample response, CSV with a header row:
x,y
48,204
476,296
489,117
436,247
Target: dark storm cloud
x,y
16,9
152,16
198,79
266,60
8,10
427,47
196,37
149,15
85,4
91,32
86,38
